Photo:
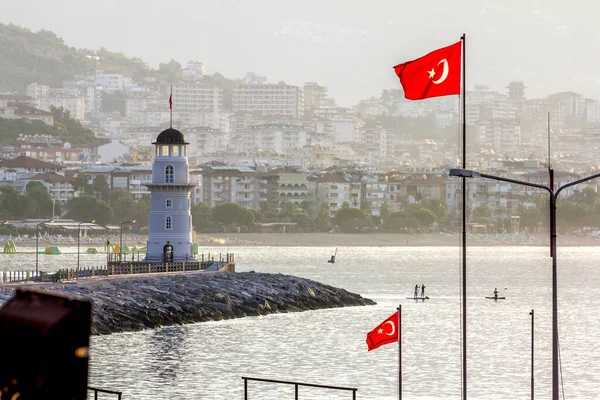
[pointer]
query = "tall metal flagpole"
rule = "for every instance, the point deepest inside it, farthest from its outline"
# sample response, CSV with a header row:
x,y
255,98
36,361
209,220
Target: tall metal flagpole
x,y
464,220
399,351
171,106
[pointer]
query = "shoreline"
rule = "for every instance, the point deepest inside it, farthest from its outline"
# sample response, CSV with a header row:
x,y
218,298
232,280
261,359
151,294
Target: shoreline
x,y
385,240
346,240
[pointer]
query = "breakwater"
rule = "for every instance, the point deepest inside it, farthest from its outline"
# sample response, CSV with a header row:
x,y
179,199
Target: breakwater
x,y
123,304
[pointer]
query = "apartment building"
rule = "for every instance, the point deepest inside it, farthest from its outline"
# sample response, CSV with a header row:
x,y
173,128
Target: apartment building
x,y
240,185
337,189
289,185
110,81
279,99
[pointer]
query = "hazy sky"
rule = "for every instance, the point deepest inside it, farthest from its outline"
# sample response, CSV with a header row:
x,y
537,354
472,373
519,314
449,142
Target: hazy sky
x,y
348,45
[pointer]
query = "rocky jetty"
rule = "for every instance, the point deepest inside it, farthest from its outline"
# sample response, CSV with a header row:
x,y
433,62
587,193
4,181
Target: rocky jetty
x,y
124,304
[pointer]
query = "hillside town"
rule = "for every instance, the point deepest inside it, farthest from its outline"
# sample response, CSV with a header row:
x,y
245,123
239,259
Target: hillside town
x,y
260,144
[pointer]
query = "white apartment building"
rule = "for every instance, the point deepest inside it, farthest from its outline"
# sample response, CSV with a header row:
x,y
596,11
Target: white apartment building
x,y
72,103
318,157
278,138
192,98
374,190
36,90
194,70
204,141
503,136
279,99
110,81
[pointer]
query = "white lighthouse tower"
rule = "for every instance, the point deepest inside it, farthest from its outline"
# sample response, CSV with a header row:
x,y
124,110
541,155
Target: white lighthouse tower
x,y
170,220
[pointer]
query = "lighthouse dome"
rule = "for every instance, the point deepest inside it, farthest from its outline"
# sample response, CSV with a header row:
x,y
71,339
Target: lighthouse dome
x,y
170,136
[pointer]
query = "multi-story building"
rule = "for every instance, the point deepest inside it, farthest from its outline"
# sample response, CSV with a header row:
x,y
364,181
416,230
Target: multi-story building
x,y
279,99
337,189
131,178
278,138
315,96
194,70
503,136
58,98
86,87
17,110
59,187
375,190
289,185
240,185
23,167
204,141
35,90
52,150
192,98
375,141
317,157
111,81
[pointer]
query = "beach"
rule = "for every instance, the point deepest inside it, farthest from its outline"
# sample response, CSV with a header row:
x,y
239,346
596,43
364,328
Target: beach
x,y
386,239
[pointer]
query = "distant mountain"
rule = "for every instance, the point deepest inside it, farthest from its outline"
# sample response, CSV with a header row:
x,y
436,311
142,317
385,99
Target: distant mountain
x,y
42,57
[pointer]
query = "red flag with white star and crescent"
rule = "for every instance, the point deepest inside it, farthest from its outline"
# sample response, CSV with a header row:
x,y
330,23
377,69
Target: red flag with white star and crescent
x,y
433,75
384,333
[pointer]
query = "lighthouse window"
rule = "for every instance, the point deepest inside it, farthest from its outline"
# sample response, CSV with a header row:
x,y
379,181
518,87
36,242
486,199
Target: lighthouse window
x,y
169,203
169,174
168,225
175,151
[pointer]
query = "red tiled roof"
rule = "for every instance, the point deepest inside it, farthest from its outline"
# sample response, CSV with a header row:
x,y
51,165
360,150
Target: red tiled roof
x,y
27,162
51,177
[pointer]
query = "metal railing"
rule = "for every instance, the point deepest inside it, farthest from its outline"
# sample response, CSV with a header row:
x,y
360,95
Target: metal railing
x,y
296,385
97,390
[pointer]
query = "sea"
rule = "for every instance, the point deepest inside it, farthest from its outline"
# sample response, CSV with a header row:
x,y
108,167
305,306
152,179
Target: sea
x,y
327,347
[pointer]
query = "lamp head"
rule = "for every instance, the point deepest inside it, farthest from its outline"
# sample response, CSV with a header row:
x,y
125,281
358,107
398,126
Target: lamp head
x,y
464,173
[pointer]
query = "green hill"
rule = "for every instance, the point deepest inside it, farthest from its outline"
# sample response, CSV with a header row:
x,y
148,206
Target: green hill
x,y
41,57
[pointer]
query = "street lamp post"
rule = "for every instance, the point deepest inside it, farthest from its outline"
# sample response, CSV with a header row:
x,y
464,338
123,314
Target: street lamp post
x,y
37,244
91,221
466,173
121,238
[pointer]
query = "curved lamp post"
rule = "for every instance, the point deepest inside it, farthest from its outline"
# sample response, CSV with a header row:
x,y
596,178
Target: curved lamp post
x,y
37,244
91,221
466,173
121,238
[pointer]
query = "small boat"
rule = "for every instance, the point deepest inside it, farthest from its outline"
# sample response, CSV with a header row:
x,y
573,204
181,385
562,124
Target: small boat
x,y
332,260
495,298
419,298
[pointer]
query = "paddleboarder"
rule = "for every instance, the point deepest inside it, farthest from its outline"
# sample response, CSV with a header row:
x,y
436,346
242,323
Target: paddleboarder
x,y
495,293
423,290
416,291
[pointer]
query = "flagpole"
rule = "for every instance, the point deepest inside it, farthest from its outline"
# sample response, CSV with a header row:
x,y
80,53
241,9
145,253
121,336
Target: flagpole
x,y
171,107
399,351
464,219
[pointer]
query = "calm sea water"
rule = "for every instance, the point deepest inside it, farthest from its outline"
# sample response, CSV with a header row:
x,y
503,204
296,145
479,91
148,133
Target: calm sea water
x,y
207,361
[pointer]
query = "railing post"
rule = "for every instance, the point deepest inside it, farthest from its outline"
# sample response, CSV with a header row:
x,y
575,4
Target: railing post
x,y
296,385
245,389
95,395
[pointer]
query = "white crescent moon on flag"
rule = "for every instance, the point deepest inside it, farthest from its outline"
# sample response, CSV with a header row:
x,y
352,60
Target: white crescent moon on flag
x,y
444,72
393,328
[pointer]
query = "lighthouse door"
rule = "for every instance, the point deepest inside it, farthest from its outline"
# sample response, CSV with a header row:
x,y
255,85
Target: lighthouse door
x,y
168,252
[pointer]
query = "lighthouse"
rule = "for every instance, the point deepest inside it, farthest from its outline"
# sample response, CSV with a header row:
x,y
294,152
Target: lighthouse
x,y
170,220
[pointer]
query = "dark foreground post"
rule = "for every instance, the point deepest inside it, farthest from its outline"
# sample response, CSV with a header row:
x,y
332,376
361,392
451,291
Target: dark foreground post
x,y
399,351
532,359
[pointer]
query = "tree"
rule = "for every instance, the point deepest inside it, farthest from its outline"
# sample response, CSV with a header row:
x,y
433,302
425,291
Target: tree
x,y
114,102
366,205
426,217
482,214
38,201
84,208
232,214
385,210
306,208
303,221
12,203
323,219
81,184
100,188
352,219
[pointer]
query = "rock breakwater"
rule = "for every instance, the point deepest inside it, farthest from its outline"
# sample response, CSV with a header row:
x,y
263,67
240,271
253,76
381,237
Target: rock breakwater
x,y
134,303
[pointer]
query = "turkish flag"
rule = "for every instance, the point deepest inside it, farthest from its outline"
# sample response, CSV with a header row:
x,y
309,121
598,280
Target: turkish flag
x,y
386,332
435,74
171,101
